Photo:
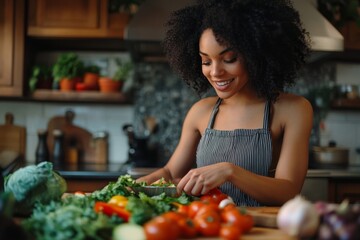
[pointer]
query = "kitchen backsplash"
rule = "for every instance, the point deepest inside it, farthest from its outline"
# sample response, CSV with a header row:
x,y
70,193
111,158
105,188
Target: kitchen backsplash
x,y
159,93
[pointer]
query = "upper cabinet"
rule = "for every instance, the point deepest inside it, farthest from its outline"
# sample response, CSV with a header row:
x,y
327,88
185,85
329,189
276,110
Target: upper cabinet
x,y
75,19
351,33
11,47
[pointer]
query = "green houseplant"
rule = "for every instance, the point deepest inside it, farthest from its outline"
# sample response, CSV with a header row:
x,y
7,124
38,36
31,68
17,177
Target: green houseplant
x,y
40,78
66,69
115,83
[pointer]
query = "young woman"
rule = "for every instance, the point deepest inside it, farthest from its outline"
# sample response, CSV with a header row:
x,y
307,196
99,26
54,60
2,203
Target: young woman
x,y
251,140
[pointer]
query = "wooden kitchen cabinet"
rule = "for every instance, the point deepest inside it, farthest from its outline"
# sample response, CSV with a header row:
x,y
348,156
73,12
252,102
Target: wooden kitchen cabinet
x,y
344,188
74,19
351,33
12,38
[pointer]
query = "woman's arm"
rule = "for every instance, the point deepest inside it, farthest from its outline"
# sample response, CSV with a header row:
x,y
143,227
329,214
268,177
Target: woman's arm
x,y
184,156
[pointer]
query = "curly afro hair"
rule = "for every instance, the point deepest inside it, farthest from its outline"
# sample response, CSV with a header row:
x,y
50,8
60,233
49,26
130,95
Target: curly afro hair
x,y
267,33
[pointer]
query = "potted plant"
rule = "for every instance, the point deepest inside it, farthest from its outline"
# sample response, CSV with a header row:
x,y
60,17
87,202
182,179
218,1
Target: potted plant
x,y
91,77
67,70
115,83
121,11
40,78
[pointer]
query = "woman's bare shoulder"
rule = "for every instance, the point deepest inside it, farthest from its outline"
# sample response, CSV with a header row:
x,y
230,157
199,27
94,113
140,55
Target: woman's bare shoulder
x,y
289,101
205,104
292,106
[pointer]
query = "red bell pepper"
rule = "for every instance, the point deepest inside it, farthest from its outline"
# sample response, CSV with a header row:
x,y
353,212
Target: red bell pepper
x,y
111,209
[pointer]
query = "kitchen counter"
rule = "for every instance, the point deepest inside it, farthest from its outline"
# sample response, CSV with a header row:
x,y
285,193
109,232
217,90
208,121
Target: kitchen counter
x,y
113,171
333,182
351,172
93,171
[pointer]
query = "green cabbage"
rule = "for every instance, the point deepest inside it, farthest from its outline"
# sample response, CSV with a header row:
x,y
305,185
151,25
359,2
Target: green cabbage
x,y
34,183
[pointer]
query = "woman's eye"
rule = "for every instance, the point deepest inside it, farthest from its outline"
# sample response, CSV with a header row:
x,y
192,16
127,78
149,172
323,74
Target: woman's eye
x,y
231,60
206,63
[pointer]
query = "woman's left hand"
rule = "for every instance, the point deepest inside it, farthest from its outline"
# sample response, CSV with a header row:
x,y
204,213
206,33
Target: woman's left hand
x,y
199,181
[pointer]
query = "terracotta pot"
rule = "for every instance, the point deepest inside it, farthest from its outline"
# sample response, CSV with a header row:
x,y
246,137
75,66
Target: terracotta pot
x,y
67,84
108,85
91,80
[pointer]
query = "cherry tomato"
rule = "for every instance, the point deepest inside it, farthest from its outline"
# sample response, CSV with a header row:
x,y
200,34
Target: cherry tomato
x,y
183,209
194,208
214,195
161,228
243,221
208,207
248,223
175,216
208,224
187,228
230,232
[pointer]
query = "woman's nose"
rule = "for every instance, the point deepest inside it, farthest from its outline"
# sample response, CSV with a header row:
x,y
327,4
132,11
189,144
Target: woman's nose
x,y
216,69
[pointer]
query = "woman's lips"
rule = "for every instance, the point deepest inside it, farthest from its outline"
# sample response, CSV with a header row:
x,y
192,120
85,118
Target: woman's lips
x,y
222,85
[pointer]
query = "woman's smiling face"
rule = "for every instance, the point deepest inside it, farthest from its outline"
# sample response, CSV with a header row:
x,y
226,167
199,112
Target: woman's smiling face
x,y
223,67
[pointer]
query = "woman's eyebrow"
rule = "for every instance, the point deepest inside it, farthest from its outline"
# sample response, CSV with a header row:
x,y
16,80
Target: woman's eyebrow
x,y
221,53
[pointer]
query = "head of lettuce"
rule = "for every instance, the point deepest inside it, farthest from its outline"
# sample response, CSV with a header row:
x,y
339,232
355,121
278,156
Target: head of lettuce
x,y
32,184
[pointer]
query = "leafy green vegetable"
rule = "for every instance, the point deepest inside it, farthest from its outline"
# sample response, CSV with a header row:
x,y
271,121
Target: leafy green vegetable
x,y
71,218
163,183
120,187
144,207
34,183
74,217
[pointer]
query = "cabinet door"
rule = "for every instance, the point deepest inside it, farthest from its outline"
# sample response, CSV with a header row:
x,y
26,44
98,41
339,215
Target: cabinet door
x,y
11,47
341,189
68,14
71,19
351,33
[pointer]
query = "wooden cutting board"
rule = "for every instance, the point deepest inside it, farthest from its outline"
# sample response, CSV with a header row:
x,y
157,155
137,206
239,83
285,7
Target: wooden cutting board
x,y
264,216
12,137
83,139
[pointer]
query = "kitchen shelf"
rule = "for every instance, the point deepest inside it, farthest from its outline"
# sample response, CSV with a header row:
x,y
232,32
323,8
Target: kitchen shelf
x,y
345,103
77,96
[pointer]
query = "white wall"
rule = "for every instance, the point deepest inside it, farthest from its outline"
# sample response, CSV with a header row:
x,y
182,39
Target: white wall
x,y
110,118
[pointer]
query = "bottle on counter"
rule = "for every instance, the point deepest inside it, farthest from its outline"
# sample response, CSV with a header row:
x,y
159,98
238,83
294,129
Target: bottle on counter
x,y
101,147
72,153
42,150
58,157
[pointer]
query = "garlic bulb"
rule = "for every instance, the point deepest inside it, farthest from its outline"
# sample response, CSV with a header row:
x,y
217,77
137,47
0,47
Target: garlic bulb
x,y
226,202
298,217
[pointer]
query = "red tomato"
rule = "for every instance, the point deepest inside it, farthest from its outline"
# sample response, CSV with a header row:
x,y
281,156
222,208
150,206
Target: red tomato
x,y
194,208
208,207
243,221
208,224
81,86
183,209
161,228
216,196
187,228
230,232
111,209
175,216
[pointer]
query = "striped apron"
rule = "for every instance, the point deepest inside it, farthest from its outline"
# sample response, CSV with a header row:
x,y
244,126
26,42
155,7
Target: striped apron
x,y
250,149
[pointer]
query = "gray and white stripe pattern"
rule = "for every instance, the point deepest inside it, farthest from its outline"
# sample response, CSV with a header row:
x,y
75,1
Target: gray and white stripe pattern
x,y
250,149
